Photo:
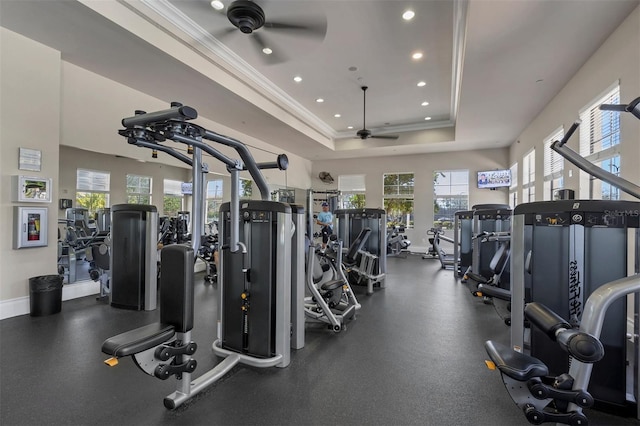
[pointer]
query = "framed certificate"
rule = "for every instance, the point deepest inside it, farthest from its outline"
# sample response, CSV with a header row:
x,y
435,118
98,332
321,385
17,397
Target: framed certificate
x,y
30,159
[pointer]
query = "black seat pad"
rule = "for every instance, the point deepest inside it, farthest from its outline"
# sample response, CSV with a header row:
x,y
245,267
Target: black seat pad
x,y
514,364
138,340
332,285
493,291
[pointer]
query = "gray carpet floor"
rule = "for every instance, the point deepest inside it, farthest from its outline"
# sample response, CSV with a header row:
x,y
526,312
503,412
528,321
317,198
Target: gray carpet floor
x,y
414,355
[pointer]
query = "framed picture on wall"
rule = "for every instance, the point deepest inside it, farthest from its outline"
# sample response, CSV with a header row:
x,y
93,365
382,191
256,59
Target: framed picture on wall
x,y
30,159
27,189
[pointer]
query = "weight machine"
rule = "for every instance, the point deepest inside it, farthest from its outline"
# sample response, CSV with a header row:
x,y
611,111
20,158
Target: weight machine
x,y
254,324
575,278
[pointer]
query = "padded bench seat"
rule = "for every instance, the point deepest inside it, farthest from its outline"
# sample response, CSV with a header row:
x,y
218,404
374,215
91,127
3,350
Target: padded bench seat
x,y
514,364
332,285
138,340
493,291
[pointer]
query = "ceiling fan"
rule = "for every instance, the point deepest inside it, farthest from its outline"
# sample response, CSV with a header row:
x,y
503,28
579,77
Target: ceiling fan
x,y
365,133
248,17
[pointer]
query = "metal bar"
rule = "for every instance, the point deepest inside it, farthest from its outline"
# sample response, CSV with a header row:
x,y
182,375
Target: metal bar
x,y
247,158
234,206
172,152
197,205
596,171
174,113
205,147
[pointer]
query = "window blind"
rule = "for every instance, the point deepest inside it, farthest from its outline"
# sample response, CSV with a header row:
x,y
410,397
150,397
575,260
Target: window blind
x,y
92,180
351,183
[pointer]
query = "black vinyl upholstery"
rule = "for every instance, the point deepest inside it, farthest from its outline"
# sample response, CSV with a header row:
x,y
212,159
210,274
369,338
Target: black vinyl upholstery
x,y
176,287
138,340
514,364
176,306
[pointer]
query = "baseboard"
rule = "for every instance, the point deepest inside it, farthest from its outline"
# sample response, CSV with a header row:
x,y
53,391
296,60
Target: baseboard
x,y
20,305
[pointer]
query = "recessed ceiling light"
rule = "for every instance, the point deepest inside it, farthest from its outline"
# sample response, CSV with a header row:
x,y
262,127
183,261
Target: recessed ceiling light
x,y
267,51
319,100
297,79
425,103
349,127
217,5
337,115
408,15
421,84
417,55
427,118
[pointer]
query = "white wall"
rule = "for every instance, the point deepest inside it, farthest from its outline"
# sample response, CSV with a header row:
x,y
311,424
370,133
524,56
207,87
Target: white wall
x,y
617,59
30,117
423,167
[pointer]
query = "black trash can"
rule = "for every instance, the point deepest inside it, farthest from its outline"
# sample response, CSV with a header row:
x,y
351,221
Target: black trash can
x,y
45,295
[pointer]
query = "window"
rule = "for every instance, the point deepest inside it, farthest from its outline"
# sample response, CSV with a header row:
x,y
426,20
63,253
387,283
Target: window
x,y
513,189
451,194
246,188
352,191
553,166
173,198
214,199
600,144
92,189
398,198
138,189
529,177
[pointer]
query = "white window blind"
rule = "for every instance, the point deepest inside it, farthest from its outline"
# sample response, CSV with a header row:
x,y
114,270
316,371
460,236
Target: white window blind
x,y
600,144
529,177
529,168
92,180
513,189
514,176
351,183
553,162
172,187
600,130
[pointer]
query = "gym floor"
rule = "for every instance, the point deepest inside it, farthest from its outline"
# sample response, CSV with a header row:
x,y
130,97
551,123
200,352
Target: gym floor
x,y
414,355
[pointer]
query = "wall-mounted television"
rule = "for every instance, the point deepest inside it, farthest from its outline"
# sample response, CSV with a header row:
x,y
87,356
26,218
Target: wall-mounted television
x,y
494,178
186,188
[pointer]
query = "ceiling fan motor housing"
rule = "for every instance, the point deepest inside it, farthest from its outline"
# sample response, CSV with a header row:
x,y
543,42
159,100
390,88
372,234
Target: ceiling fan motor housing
x,y
246,15
363,133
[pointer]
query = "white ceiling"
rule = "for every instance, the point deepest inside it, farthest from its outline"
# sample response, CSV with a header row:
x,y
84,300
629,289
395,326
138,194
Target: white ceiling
x,y
490,66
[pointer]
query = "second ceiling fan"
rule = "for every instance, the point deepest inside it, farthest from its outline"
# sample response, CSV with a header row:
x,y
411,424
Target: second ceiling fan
x,y
365,133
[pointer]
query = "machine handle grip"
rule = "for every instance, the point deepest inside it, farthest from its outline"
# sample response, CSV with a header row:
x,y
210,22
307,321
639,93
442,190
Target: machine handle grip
x,y
545,319
569,133
613,107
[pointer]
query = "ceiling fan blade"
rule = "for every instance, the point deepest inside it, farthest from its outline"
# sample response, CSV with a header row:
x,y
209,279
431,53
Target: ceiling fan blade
x,y
222,33
317,30
385,136
259,43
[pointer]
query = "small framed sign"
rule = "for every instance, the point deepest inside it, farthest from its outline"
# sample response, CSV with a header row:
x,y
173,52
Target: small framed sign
x,y
30,159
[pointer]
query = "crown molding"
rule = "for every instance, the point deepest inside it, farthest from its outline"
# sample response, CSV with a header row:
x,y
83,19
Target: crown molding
x,y
243,72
